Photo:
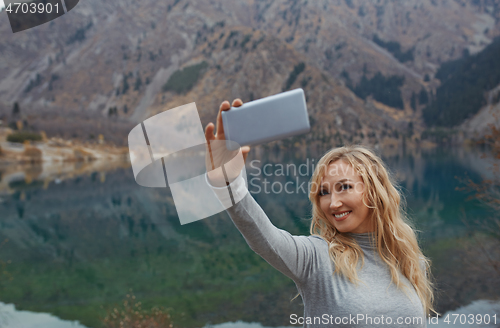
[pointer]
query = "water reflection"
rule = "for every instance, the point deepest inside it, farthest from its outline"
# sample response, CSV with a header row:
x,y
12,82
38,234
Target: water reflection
x,y
78,241
11,318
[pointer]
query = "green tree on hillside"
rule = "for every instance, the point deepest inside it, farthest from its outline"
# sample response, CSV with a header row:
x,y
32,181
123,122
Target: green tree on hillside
x,y
138,83
15,109
183,80
297,69
423,98
413,101
383,89
395,49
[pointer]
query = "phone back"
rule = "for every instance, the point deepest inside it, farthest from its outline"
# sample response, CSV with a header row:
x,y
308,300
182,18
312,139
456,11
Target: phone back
x,y
272,118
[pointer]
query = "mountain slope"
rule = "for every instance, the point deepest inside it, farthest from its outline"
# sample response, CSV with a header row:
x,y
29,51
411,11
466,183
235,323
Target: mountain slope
x,y
112,59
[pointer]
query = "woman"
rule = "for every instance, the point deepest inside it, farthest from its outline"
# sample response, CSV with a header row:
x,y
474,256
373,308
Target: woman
x,y
361,266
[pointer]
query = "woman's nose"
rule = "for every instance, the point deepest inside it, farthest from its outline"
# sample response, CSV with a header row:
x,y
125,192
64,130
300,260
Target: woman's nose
x,y
335,201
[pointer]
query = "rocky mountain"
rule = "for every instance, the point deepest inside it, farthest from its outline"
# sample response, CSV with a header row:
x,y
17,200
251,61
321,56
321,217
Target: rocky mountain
x,y
124,61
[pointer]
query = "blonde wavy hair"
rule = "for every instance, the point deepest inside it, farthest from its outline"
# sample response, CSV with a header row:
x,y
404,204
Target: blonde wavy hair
x,y
395,239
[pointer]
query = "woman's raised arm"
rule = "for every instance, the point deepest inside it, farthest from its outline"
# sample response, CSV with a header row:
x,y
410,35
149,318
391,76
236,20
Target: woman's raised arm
x,y
294,256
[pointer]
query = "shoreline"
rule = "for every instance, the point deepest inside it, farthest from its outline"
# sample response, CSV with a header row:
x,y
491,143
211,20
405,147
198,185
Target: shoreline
x,y
55,159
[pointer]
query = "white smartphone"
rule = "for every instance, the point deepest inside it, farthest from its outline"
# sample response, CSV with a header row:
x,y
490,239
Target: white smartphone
x,y
268,119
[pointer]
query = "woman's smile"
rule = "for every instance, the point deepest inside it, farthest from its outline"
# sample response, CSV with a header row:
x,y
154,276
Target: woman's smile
x,y
342,216
342,199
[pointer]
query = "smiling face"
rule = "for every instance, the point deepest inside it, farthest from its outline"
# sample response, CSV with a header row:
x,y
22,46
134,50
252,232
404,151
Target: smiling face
x,y
341,199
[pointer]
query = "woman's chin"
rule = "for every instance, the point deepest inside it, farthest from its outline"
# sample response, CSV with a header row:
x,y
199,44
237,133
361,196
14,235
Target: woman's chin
x,y
342,228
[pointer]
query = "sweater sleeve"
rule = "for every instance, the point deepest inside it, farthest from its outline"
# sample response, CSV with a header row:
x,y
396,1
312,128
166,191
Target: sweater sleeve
x,y
291,255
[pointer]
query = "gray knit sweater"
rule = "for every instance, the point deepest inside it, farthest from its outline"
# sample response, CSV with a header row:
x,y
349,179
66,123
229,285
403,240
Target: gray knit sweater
x,y
329,300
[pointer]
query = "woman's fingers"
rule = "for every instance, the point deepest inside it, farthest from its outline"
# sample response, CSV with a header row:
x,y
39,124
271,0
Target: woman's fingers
x,y
245,150
237,102
223,107
220,126
209,131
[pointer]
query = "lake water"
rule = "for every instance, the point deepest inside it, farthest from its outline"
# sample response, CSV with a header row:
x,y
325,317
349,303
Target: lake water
x,y
78,245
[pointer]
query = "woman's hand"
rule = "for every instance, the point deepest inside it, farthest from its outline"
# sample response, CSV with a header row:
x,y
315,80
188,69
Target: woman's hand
x,y
221,161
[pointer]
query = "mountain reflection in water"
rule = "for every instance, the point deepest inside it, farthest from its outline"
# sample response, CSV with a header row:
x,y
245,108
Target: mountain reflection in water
x,y
77,242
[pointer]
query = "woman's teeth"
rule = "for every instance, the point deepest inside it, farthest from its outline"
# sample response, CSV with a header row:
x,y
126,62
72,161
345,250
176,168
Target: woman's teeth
x,y
341,214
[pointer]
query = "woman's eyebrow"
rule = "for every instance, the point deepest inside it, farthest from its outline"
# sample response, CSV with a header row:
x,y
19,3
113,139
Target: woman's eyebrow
x,y
326,184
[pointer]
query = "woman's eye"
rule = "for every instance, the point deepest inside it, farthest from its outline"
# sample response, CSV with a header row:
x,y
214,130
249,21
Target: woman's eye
x,y
323,192
346,186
